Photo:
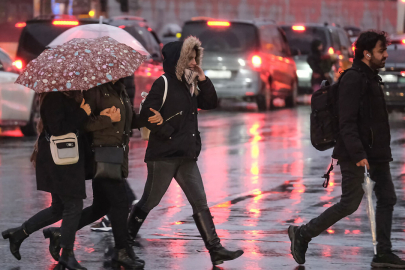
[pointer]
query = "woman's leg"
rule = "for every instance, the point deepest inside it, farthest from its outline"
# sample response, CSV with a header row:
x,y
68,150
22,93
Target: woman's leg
x,y
72,209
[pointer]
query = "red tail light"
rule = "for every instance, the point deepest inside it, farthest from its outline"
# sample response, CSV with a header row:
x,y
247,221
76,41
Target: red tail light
x,y
73,23
331,50
256,61
18,64
298,28
403,73
403,41
121,26
20,24
218,23
149,29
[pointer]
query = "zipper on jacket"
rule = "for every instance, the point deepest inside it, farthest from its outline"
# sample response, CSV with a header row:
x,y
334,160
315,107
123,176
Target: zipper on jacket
x,y
179,113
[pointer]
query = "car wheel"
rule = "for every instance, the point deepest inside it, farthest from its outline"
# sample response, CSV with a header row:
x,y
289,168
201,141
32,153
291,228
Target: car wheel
x,y
31,128
291,101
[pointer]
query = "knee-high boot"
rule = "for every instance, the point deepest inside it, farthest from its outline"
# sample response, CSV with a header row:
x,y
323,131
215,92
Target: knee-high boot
x,y
206,227
135,221
16,236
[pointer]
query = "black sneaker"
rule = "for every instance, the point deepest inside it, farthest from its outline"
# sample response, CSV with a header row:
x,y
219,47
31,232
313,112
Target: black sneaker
x,y
387,260
299,245
103,226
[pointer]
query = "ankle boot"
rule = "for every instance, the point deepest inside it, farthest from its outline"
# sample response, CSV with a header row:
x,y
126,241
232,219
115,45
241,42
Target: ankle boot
x,y
68,260
16,236
135,221
206,227
54,244
123,257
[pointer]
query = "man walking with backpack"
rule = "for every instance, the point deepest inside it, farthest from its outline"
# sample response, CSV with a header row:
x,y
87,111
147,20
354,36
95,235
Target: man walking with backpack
x,y
363,140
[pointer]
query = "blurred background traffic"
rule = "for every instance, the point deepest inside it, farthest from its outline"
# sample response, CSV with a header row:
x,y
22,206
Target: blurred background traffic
x,y
255,51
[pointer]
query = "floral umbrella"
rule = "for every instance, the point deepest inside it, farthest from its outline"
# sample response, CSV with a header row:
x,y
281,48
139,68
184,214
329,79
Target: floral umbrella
x,y
80,64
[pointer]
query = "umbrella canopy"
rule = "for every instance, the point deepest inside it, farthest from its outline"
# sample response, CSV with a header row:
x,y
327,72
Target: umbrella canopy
x,y
80,64
98,31
368,187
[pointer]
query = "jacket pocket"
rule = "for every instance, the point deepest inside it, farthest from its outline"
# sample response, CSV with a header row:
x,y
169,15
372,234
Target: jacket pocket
x,y
174,115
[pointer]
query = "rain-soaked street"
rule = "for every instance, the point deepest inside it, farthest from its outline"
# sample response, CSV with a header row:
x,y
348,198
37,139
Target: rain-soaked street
x,y
260,174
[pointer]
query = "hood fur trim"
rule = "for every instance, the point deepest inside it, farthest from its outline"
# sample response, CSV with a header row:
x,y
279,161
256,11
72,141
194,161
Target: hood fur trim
x,y
189,45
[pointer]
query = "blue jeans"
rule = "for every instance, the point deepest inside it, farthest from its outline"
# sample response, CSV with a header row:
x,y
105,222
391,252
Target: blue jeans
x,y
352,194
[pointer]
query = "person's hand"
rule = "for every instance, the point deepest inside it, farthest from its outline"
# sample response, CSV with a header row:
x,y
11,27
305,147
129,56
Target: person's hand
x,y
200,72
157,118
116,116
363,163
85,107
106,112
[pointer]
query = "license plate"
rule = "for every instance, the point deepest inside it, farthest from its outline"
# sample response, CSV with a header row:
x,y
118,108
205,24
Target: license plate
x,y
219,74
389,78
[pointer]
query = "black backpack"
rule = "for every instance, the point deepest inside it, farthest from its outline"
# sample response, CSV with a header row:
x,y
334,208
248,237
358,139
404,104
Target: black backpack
x,y
324,114
324,117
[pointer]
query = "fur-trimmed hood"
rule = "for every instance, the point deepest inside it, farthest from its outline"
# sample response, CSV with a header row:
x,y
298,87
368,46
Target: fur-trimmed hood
x,y
176,54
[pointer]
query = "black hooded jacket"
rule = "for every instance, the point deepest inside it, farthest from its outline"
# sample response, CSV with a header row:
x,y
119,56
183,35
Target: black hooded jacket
x,y
314,60
178,137
364,130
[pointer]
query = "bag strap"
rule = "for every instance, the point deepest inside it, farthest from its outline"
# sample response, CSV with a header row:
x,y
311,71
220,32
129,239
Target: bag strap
x,y
165,93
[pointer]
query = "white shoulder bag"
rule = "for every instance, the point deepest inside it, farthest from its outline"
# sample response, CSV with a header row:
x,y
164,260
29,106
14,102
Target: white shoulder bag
x,y
64,149
145,132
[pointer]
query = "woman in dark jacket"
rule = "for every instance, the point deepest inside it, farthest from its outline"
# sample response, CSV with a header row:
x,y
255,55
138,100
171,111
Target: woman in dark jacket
x,y
316,62
174,146
111,124
61,113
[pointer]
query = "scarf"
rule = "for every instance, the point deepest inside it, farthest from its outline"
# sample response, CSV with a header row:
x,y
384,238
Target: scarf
x,y
190,77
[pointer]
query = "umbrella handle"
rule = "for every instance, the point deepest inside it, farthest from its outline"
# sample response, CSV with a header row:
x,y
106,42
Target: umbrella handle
x,y
100,20
365,167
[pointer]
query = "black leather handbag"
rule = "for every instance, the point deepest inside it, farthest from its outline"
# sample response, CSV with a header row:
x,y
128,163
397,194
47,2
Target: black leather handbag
x,y
109,160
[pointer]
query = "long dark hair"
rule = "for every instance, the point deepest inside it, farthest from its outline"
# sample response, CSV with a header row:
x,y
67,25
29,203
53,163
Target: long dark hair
x,y
76,95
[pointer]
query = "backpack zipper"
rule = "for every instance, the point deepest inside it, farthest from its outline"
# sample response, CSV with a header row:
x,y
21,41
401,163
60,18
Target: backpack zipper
x,y
179,113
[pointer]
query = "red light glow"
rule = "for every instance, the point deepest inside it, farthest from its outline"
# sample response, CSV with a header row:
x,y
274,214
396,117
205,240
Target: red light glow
x,y
20,24
218,23
18,64
403,41
121,26
331,50
298,28
65,23
256,61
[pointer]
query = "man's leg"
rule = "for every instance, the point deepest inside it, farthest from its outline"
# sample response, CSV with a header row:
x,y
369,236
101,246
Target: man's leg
x,y
352,194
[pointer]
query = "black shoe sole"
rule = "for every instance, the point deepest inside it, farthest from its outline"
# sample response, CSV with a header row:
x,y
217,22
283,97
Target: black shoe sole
x,y
387,265
291,235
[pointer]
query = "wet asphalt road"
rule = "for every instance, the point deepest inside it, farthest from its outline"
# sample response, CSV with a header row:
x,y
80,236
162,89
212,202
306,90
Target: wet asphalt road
x,y
260,174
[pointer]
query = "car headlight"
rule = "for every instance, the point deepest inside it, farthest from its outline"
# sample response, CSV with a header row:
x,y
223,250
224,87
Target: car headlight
x,y
304,74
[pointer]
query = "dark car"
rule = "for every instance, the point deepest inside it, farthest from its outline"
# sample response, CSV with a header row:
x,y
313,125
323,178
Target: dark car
x,y
246,60
300,37
393,75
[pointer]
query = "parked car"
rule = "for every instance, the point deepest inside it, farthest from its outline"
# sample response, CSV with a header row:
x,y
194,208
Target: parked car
x,y
300,36
16,100
152,68
353,32
246,60
393,75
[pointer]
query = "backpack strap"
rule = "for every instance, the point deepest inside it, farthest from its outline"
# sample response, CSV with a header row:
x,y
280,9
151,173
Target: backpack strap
x,y
165,93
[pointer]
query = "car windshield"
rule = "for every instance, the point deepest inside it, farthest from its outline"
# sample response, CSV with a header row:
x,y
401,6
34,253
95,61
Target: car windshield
x,y
396,53
300,40
237,37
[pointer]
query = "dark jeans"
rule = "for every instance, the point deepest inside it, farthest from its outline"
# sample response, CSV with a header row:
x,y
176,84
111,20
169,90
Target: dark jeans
x,y
160,175
352,194
63,207
109,197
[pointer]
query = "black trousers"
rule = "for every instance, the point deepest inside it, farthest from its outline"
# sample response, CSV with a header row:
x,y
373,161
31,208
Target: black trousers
x,y
66,208
352,194
160,175
109,197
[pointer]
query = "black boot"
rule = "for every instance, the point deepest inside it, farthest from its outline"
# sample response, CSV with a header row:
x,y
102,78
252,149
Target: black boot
x,y
54,244
68,260
206,227
299,244
124,257
135,221
16,236
387,260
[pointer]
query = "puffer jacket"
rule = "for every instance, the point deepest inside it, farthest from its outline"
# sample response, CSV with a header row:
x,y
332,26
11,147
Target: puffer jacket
x,y
178,137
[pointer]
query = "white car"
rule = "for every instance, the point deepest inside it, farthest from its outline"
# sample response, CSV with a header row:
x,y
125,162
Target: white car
x,y
18,104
